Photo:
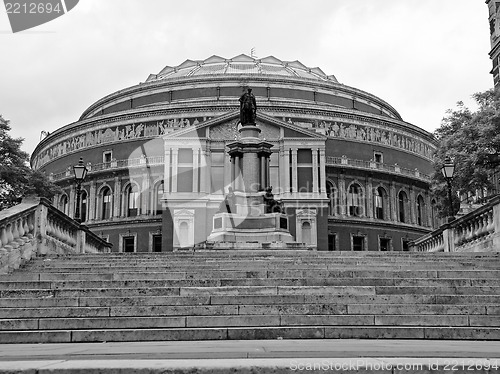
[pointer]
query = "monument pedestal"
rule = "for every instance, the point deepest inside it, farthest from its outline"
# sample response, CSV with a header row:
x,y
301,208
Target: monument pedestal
x,y
247,222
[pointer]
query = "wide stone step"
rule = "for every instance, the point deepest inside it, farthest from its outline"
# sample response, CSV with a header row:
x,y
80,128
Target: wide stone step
x,y
224,310
249,282
139,274
276,320
253,333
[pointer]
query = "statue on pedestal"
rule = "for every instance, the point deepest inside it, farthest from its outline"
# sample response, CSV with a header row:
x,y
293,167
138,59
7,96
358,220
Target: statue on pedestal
x,y
248,108
272,206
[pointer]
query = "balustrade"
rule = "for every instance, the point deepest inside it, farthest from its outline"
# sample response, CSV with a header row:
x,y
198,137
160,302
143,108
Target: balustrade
x,y
361,164
36,227
477,231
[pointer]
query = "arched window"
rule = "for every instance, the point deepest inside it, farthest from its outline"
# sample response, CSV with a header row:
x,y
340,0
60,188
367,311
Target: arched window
x,y
331,193
354,200
403,201
306,233
63,204
380,202
83,206
420,211
158,196
106,203
133,199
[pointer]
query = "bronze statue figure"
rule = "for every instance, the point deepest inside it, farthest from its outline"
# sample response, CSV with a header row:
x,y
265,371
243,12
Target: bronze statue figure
x,y
248,108
272,206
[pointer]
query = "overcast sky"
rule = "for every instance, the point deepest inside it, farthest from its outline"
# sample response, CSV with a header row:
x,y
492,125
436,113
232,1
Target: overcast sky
x,y
421,56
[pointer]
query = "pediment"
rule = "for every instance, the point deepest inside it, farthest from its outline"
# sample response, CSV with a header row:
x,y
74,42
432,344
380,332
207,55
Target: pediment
x,y
225,127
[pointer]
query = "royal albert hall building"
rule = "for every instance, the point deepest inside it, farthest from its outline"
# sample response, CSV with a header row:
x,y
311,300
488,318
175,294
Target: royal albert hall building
x,y
349,172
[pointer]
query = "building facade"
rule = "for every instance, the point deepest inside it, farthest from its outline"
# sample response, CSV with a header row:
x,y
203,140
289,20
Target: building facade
x,y
349,172
494,20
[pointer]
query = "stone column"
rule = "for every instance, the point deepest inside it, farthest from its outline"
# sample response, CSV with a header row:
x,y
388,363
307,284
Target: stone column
x,y
369,198
237,173
295,181
196,152
166,171
263,172
315,176
175,154
203,171
92,201
342,195
285,170
208,173
118,193
228,170
322,170
251,172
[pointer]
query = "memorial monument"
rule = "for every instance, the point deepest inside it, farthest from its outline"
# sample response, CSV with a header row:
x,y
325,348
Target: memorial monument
x,y
249,217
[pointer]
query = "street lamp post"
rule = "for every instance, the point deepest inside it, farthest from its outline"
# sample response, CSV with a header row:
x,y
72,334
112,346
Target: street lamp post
x,y
448,169
80,172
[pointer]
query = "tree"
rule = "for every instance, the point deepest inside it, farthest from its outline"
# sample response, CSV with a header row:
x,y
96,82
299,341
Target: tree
x,y
17,179
472,140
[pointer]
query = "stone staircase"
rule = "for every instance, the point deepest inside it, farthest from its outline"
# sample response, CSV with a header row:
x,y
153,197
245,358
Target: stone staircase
x,y
230,295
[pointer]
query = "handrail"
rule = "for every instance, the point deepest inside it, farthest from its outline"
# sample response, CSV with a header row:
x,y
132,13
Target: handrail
x,y
362,164
35,227
476,231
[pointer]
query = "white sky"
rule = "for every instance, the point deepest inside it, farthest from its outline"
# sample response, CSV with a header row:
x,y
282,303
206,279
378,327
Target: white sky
x,y
421,56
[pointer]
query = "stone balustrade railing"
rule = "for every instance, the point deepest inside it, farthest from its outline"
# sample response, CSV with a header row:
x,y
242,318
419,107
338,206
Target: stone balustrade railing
x,y
35,227
112,165
478,231
361,164
158,160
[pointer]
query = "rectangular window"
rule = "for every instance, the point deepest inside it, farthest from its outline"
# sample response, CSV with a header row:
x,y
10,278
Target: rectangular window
x,y
405,245
107,156
378,157
304,170
217,172
157,243
332,242
385,244
358,243
129,244
184,179
185,156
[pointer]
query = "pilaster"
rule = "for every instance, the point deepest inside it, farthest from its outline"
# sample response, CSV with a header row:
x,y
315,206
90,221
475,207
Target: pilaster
x,y
175,154
92,200
369,197
393,202
315,188
295,183
322,171
72,201
196,155
342,195
117,199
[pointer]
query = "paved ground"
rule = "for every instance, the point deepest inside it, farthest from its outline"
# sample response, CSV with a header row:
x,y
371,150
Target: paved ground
x,y
253,356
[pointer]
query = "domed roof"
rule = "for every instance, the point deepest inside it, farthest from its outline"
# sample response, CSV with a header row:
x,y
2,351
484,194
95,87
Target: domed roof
x,y
239,65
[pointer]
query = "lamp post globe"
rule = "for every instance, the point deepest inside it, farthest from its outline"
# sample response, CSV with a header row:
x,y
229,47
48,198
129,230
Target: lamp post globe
x,y
80,172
